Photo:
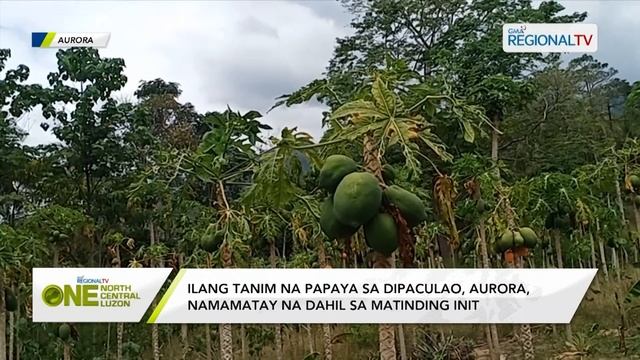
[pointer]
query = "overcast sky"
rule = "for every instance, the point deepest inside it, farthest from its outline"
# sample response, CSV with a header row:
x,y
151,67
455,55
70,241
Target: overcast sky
x,y
240,53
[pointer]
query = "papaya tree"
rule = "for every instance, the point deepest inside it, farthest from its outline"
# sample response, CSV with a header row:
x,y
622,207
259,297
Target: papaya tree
x,y
381,120
278,183
226,153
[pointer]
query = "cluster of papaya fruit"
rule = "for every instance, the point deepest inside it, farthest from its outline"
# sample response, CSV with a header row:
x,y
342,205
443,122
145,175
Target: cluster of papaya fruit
x,y
211,239
514,239
56,236
64,332
634,180
10,301
356,200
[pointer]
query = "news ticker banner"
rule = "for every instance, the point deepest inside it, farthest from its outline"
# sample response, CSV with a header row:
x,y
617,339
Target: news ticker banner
x,y
60,40
351,296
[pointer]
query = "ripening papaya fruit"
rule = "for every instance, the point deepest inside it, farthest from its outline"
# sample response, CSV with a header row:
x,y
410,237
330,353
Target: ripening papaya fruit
x,y
381,234
635,181
410,205
64,331
482,205
330,225
334,169
211,239
518,239
388,174
357,199
530,237
505,242
10,300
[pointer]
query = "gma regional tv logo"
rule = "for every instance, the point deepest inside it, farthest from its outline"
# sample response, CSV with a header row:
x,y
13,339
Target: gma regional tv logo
x,y
67,40
93,292
545,38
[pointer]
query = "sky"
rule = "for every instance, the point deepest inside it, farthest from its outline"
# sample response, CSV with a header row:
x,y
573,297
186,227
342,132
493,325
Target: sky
x,y
239,53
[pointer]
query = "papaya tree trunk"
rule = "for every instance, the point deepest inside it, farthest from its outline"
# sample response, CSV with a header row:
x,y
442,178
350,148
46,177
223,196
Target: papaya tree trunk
x,y
615,264
491,329
636,242
558,245
119,338
116,263
56,256
67,351
603,255
326,339
592,244
3,320
273,259
226,333
403,343
155,336
225,330
184,328
12,323
326,329
307,329
243,342
207,333
525,336
386,332
623,219
18,342
525,330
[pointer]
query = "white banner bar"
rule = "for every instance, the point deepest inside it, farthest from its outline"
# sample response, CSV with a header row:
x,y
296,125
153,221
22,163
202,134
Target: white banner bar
x,y
409,296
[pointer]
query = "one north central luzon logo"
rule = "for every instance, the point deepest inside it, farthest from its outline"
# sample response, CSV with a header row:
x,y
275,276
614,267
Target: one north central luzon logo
x,y
520,37
96,292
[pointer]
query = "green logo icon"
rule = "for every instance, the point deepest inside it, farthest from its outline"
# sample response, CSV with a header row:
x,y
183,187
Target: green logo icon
x,y
52,295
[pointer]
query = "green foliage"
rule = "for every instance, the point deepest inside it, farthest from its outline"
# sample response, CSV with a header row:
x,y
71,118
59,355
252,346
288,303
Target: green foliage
x,y
425,80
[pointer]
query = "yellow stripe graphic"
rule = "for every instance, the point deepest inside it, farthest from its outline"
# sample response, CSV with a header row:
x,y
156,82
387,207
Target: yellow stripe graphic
x,y
48,39
165,298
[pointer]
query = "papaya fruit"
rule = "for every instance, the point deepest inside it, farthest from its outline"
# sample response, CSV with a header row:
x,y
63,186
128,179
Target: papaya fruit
x,y
211,240
635,181
381,234
55,236
357,199
410,205
518,239
505,242
482,206
330,226
616,243
334,169
64,331
530,237
388,174
558,220
10,301
636,200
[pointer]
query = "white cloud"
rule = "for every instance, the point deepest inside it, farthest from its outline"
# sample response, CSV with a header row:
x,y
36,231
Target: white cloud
x,y
244,54
241,53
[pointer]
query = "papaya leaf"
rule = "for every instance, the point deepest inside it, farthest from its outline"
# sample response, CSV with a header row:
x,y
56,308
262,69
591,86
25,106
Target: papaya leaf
x,y
359,108
633,293
312,356
469,133
384,98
